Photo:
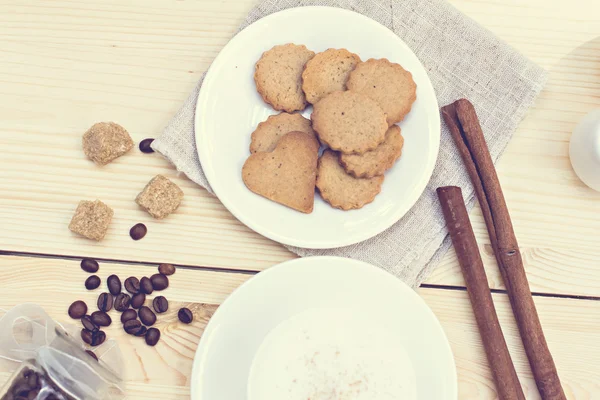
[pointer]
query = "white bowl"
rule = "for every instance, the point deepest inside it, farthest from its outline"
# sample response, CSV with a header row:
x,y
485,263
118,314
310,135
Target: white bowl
x,y
584,149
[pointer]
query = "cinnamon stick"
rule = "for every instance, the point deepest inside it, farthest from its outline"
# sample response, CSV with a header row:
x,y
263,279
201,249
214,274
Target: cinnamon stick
x,y
464,126
463,239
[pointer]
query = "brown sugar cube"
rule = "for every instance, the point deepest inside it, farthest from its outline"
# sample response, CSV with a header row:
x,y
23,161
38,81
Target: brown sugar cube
x,y
105,141
91,219
160,197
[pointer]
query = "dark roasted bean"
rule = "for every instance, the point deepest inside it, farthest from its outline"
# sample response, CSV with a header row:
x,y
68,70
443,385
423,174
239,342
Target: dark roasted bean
x,y
86,336
132,326
122,302
185,315
78,309
145,146
92,282
88,324
101,318
105,302
152,336
114,285
138,231
146,315
166,269
91,353
160,304
138,300
98,338
141,332
146,285
128,315
89,265
159,281
132,285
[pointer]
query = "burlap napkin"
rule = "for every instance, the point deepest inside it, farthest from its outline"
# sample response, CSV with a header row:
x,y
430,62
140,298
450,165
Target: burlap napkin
x,y
463,60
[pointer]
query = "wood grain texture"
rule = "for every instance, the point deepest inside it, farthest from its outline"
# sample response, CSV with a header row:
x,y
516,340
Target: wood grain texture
x,y
163,372
67,64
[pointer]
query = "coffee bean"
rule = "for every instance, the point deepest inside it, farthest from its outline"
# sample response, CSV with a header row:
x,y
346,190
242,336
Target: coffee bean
x,y
138,300
145,146
159,281
98,338
166,269
105,302
88,324
78,309
91,353
146,285
132,326
114,285
86,336
132,285
141,332
92,282
89,265
185,315
128,315
152,336
138,231
122,302
160,304
101,318
33,380
146,315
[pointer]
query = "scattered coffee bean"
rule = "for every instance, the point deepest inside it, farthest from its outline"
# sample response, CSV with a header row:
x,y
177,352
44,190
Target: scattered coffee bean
x,y
138,231
86,336
101,318
146,315
132,285
88,324
122,302
146,285
98,338
160,304
166,269
105,302
33,380
138,300
141,332
159,281
92,282
152,336
132,326
128,315
78,309
145,146
185,315
114,285
89,265
91,353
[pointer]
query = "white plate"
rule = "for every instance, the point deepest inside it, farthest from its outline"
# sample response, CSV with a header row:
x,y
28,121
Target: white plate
x,y
334,322
229,109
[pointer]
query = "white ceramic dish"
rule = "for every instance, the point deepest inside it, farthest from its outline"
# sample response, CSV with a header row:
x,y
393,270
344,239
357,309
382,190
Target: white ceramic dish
x,y
584,149
323,321
229,109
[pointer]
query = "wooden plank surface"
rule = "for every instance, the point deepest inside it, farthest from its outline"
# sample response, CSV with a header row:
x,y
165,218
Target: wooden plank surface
x,y
67,64
164,372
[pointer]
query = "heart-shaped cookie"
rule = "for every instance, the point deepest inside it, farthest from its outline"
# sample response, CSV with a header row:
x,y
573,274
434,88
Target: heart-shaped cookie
x,y
287,174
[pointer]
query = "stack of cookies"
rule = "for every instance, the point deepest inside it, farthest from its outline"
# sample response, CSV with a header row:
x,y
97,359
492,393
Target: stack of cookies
x,y
356,106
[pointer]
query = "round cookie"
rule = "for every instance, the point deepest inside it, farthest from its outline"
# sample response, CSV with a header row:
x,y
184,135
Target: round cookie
x,y
327,72
342,190
268,132
278,76
390,85
375,162
349,122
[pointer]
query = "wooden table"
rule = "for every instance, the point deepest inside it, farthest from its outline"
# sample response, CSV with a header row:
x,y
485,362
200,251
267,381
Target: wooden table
x,y
67,64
